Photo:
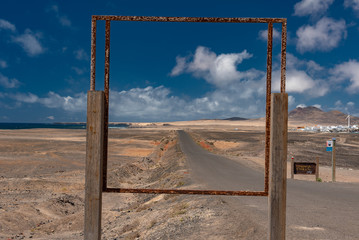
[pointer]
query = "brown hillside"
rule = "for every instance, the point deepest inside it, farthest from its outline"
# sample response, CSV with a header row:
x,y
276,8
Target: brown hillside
x,y
313,115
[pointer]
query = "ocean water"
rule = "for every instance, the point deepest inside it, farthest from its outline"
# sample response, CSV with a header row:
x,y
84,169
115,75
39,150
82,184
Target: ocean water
x,y
53,125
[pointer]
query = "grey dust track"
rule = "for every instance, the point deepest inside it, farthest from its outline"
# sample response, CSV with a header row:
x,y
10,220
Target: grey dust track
x,y
314,210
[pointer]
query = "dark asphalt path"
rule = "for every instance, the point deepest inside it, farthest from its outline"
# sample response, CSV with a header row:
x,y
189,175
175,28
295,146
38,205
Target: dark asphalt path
x,y
314,210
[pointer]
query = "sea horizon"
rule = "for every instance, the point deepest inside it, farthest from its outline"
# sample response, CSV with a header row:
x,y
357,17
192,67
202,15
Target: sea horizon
x,y
56,125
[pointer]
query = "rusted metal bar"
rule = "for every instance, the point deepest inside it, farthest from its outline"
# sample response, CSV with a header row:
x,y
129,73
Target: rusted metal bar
x,y
184,191
188,19
268,104
93,55
283,56
107,91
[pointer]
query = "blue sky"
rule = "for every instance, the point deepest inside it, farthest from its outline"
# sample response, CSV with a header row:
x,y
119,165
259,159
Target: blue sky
x,y
174,71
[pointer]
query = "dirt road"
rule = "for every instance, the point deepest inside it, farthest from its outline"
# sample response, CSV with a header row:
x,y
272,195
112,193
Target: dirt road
x,y
314,210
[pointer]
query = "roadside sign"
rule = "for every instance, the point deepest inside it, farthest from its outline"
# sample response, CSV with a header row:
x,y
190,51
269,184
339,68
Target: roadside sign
x,y
305,168
329,146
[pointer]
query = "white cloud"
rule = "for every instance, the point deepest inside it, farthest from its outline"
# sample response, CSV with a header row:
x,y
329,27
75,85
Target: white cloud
x,y
26,98
218,70
311,7
81,54
77,103
338,103
180,66
50,117
301,82
3,64
6,25
347,71
8,83
301,105
291,100
317,106
263,34
354,4
325,35
302,77
350,104
63,19
346,108
157,104
68,103
29,42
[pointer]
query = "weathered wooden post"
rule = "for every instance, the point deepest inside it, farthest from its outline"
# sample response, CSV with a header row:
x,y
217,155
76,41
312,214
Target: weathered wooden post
x,y
278,166
94,161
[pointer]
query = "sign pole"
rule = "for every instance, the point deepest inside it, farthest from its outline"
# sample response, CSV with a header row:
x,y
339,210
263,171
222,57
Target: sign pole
x,y
333,161
292,168
317,169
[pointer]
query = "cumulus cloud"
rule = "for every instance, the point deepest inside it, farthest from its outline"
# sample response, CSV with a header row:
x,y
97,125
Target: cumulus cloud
x,y
311,7
317,106
350,104
348,107
219,70
302,105
8,83
338,103
24,97
76,103
354,4
68,103
291,100
50,117
304,77
30,42
325,35
6,25
347,71
263,34
63,19
157,103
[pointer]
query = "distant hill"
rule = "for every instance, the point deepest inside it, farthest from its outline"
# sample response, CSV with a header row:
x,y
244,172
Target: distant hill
x,y
235,119
313,115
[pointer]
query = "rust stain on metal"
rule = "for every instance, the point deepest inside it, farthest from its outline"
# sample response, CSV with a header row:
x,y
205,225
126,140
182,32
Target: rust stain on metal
x,y
184,191
93,55
107,92
108,20
188,19
268,103
283,57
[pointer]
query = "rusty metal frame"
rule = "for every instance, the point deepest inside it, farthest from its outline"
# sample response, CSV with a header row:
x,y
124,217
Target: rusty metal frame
x,y
269,21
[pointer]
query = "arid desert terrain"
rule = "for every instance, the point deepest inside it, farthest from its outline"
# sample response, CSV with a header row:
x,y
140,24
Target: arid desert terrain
x,y
42,176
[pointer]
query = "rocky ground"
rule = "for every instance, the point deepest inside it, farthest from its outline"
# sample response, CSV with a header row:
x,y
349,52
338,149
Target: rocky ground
x,y
42,183
42,189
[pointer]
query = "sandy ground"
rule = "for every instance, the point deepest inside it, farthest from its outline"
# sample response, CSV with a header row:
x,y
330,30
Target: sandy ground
x,y
42,180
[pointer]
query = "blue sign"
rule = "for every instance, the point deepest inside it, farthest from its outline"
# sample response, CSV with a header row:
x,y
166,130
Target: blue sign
x,y
329,149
